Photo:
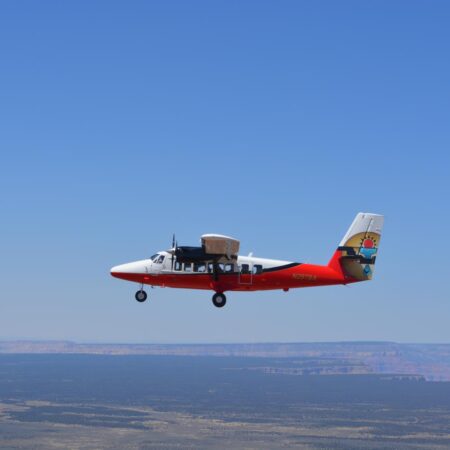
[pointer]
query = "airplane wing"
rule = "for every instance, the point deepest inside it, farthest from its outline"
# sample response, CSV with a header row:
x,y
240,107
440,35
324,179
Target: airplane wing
x,y
217,244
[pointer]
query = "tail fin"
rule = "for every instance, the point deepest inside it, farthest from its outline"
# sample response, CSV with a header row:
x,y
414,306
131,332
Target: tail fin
x,y
357,251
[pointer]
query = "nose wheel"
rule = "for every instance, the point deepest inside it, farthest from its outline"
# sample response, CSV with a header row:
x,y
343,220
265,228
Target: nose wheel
x,y
219,300
141,296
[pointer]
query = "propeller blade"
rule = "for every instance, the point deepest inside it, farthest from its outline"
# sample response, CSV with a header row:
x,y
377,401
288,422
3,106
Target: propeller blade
x,y
174,247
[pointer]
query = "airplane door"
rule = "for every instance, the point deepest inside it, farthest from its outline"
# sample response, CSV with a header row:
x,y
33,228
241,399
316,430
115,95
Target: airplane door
x,y
149,268
246,274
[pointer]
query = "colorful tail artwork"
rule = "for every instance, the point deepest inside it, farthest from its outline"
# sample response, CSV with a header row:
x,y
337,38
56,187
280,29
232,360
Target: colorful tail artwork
x,y
358,249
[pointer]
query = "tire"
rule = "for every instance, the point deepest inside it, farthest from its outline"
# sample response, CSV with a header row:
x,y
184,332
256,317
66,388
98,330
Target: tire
x,y
219,300
141,296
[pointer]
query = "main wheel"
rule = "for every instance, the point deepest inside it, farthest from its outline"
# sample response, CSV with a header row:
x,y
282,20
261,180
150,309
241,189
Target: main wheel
x,y
219,300
141,296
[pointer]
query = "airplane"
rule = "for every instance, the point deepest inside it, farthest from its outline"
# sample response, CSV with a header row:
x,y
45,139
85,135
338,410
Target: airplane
x,y
216,265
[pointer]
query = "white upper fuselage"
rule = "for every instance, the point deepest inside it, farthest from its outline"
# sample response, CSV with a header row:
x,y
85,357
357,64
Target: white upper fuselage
x,y
161,262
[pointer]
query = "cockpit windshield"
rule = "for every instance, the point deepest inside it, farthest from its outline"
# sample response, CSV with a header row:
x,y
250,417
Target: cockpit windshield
x,y
157,258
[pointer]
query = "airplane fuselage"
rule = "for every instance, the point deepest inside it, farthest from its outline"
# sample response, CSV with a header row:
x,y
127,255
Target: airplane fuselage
x,y
246,273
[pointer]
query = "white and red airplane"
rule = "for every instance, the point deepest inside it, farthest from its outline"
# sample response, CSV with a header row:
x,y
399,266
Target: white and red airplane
x,y
216,265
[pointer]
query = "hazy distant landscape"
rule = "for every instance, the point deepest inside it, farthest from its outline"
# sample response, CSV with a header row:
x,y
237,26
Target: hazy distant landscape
x,y
252,396
431,361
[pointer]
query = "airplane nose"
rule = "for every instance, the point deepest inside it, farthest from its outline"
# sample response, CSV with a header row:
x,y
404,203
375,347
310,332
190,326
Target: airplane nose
x,y
115,270
128,268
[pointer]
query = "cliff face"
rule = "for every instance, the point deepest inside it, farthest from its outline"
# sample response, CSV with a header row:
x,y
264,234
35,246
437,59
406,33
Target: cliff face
x,y
432,361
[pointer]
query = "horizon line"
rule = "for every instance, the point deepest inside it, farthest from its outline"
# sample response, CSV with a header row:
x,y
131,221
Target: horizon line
x,y
81,342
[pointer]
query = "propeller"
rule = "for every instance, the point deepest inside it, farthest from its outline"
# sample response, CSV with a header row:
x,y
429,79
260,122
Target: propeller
x,y
174,249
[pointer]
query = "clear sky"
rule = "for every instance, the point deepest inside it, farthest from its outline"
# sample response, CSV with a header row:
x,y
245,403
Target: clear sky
x,y
274,122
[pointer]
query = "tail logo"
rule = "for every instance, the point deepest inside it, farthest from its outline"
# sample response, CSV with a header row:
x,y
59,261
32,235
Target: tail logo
x,y
359,246
368,248
359,254
362,245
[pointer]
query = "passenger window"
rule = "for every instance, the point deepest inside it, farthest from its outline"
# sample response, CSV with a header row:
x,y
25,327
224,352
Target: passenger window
x,y
245,268
199,267
188,267
177,265
210,267
257,268
220,267
228,267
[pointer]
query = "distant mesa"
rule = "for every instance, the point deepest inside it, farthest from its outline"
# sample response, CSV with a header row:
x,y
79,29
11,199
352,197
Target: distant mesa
x,y
429,361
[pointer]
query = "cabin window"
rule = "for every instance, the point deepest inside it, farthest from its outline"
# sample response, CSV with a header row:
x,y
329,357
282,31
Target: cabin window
x,y
188,267
210,267
245,268
200,267
228,267
257,268
177,265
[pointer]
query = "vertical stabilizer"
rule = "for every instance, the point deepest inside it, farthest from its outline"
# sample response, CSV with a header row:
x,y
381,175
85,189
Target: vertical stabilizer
x,y
358,249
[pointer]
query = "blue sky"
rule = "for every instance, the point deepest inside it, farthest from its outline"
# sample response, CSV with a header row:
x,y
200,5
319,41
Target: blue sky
x,y
274,122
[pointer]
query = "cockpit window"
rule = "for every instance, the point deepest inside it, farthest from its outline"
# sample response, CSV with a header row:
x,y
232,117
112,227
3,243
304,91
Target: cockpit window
x,y
159,260
154,257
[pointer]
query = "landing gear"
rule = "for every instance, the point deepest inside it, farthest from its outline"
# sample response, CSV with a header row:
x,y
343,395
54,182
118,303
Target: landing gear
x,y
141,296
219,300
